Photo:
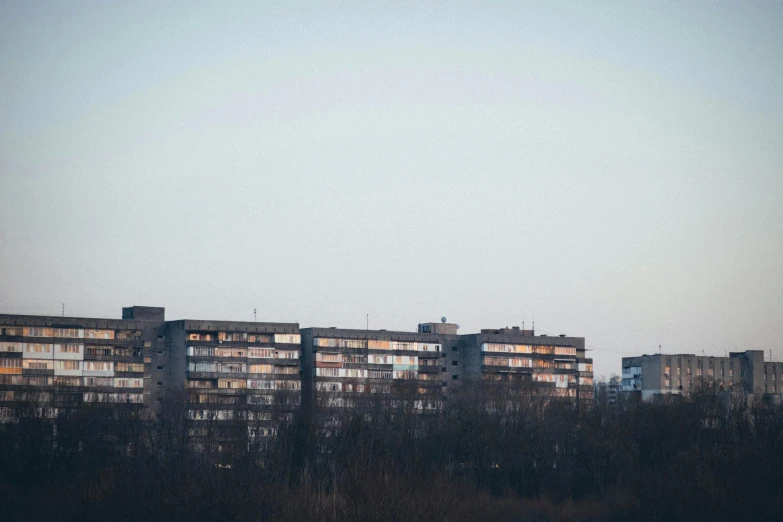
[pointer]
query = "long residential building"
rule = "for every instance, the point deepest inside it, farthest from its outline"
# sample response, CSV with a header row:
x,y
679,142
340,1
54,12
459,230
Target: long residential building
x,y
684,374
343,366
264,371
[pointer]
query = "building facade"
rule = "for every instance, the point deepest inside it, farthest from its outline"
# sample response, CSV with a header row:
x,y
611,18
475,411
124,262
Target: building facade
x,y
551,366
231,370
343,368
52,363
263,371
346,364
684,374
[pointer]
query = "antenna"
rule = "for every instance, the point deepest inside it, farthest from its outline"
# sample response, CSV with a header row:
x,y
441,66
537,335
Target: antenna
x,y
254,315
367,325
63,309
659,350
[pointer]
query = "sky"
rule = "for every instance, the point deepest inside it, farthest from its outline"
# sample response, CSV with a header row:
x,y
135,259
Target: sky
x,y
611,171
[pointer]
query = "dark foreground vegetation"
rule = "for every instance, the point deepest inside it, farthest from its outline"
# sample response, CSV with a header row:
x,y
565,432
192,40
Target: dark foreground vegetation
x,y
485,457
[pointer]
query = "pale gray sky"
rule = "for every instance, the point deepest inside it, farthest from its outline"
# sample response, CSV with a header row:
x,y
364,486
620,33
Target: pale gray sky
x,y
613,169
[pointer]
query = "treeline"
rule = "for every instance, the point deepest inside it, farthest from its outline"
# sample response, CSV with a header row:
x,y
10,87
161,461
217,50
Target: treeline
x,y
485,455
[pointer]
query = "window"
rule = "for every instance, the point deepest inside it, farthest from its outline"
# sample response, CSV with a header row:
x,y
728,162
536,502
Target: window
x,y
161,352
12,366
107,382
127,334
36,364
159,383
288,338
38,332
232,367
160,368
11,347
68,365
455,348
380,359
455,377
375,344
99,334
232,383
195,383
68,381
379,374
202,351
98,366
206,367
231,336
261,353
455,363
404,346
39,348
508,348
98,350
129,367
65,332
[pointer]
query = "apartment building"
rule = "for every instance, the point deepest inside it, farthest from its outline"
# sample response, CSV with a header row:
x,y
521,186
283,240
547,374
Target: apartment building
x,y
263,371
683,374
552,366
342,367
56,362
230,370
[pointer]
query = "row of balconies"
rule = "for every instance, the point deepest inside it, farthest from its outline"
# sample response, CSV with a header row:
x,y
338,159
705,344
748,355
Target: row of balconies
x,y
248,360
365,351
220,375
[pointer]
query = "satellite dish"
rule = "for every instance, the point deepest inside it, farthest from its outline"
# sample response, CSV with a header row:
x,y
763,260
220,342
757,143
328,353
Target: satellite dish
x,y
442,319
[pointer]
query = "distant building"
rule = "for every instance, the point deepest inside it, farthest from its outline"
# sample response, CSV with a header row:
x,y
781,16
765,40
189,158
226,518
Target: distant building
x,y
684,374
262,371
235,370
551,365
57,362
343,366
